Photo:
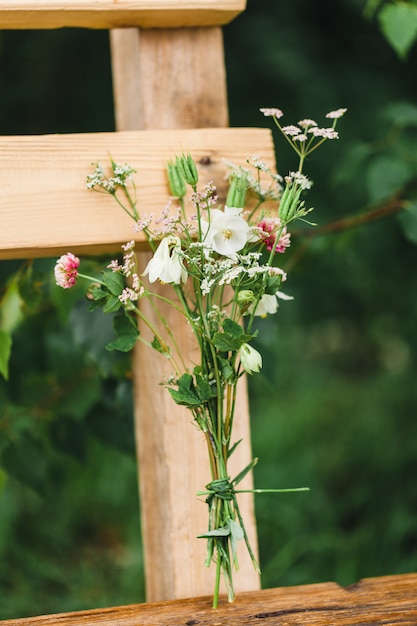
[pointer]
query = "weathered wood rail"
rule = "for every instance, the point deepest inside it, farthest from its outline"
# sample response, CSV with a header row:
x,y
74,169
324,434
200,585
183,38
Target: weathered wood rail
x,y
384,601
30,14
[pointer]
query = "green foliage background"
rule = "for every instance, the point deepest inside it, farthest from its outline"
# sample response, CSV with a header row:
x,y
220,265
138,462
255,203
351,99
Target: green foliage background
x,y
335,407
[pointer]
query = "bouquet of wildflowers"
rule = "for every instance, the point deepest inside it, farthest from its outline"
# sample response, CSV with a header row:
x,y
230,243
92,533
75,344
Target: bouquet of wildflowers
x,y
222,265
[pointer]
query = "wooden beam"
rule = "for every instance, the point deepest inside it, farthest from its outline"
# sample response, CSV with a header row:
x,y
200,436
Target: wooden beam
x,y
185,85
388,601
176,79
45,209
106,14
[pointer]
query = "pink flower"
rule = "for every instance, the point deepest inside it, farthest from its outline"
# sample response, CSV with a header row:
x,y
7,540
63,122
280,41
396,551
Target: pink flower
x,y
66,270
267,231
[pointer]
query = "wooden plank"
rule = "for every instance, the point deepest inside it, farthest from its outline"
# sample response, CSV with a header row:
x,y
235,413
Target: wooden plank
x,y
45,209
173,466
25,14
385,601
194,81
189,66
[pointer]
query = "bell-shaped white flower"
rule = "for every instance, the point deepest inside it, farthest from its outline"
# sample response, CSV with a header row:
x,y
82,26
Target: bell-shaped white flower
x,y
250,359
166,264
227,232
268,304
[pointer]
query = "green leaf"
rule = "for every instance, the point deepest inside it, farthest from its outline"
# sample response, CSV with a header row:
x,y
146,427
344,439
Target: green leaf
x,y
123,344
236,534
114,282
113,304
386,175
370,7
126,329
126,326
11,307
157,345
5,352
205,391
186,394
231,327
398,22
232,337
96,292
217,532
245,471
233,448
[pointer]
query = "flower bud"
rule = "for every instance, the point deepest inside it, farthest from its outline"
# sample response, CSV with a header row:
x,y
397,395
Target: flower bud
x,y
175,180
245,296
188,169
289,202
250,359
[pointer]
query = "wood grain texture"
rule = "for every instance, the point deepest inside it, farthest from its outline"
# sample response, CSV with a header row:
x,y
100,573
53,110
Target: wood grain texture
x,y
173,466
45,209
169,78
26,14
384,601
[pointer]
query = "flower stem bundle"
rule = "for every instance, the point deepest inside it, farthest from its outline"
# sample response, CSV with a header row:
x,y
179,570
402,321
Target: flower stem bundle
x,y
222,266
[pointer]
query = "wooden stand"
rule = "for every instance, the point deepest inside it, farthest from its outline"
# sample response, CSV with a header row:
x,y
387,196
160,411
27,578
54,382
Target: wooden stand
x,y
170,96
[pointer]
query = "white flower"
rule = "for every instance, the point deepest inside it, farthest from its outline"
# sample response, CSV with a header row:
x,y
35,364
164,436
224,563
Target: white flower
x,y
250,359
283,296
166,264
268,304
334,115
227,232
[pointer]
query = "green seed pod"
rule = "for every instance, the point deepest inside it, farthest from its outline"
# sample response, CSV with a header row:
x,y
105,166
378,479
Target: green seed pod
x,y
188,169
237,190
175,180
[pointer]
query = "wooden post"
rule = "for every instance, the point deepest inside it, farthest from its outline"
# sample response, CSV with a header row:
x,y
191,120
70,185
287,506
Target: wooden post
x,y
175,79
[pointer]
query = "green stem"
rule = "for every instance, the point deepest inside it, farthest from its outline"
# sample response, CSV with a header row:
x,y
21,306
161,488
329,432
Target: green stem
x,y
217,583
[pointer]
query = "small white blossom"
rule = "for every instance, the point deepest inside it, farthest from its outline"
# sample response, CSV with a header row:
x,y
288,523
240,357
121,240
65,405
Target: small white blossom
x,y
291,130
334,115
272,112
166,264
267,305
250,359
326,133
299,179
306,123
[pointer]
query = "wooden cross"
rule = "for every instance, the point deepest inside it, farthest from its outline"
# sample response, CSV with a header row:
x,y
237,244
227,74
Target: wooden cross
x,y
170,96
165,79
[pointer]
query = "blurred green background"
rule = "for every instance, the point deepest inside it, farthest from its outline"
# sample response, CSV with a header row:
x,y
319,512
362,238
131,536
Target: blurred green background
x,y
335,407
